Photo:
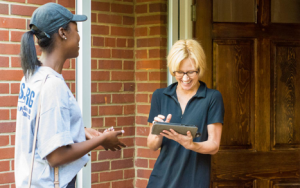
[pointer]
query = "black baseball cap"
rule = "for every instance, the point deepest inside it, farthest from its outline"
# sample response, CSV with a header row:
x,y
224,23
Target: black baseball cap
x,y
49,17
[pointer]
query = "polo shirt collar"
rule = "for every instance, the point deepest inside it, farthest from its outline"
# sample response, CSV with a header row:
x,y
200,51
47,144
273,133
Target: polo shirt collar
x,y
171,90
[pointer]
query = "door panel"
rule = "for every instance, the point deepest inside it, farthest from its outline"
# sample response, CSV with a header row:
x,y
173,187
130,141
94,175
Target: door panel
x,y
256,67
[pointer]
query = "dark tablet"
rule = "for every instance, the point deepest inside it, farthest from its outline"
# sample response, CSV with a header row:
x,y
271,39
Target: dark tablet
x,y
158,127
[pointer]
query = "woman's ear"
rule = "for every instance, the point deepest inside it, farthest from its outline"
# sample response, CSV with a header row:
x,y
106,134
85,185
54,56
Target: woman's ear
x,y
62,33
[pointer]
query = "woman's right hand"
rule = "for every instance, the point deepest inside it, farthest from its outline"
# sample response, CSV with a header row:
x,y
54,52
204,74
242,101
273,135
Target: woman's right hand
x,y
111,140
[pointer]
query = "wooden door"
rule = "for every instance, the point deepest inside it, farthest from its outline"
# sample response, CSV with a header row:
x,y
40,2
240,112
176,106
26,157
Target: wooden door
x,y
256,66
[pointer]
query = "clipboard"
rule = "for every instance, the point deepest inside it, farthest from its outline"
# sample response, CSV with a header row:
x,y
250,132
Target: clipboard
x,y
158,127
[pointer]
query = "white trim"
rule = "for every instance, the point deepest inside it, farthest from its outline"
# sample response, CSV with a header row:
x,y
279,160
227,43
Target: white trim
x,y
186,24
83,81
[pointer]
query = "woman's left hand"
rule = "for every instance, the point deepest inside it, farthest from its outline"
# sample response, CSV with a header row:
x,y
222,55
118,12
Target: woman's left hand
x,y
91,133
185,141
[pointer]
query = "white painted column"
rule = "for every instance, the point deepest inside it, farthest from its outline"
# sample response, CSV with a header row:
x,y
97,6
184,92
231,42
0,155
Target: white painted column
x,y
83,80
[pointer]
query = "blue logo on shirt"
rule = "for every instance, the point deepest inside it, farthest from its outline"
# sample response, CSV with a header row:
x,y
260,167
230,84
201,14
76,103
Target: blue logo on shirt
x,y
27,99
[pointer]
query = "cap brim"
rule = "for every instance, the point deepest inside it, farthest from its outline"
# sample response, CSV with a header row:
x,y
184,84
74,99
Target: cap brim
x,y
79,18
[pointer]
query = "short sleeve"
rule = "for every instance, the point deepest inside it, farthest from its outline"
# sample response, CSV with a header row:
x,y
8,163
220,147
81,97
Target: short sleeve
x,y
216,109
155,106
54,126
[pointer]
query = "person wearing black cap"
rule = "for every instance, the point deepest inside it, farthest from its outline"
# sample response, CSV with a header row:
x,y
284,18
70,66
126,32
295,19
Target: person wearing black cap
x,y
61,137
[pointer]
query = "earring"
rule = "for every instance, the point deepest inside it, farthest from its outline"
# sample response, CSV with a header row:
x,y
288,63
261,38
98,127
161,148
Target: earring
x,y
65,38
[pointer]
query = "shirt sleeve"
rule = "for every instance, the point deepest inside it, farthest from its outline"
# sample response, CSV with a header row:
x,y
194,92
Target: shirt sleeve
x,y
54,126
216,109
155,106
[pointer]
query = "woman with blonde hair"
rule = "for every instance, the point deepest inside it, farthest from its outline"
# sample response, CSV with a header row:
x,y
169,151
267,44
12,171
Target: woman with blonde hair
x,y
184,161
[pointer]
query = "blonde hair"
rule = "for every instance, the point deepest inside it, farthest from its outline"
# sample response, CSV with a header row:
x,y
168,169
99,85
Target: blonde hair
x,y
183,49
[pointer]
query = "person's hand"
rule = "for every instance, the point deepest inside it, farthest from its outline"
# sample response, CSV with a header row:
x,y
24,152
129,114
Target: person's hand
x,y
91,133
111,140
185,141
160,118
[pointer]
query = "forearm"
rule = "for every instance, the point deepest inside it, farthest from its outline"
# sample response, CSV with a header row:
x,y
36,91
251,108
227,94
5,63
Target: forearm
x,y
206,147
67,154
154,141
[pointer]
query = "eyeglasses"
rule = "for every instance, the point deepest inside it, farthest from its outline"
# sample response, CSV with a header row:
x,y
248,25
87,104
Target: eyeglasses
x,y
190,74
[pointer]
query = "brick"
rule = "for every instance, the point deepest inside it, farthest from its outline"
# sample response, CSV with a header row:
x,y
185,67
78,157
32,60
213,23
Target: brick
x,y
141,141
7,153
141,183
4,114
130,173
128,20
129,109
120,164
101,185
109,19
121,42
158,30
140,9
101,166
16,36
129,86
157,76
151,64
158,53
122,8
122,31
110,121
141,76
40,2
8,101
109,87
4,186
67,3
141,54
12,23
129,142
110,64
94,155
68,74
22,10
110,176
15,62
109,155
12,49
142,120
143,1
128,153
123,98
94,110
100,53
130,43
4,35
4,88
110,42
153,19
122,75
100,6
4,166
124,54
95,178
4,140
151,163
110,110
98,41
129,131
143,173
100,75
152,42
97,122
147,153
142,131
141,98
7,178
3,8
94,64
94,17
100,30
124,184
8,127
140,32
13,114
150,87
4,61
94,87
158,7
141,163
100,98
129,65
123,121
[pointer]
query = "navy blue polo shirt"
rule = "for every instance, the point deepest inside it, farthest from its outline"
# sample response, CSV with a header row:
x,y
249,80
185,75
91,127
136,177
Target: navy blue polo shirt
x,y
177,167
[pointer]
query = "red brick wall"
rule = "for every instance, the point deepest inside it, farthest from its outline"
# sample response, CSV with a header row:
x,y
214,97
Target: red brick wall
x,y
128,63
